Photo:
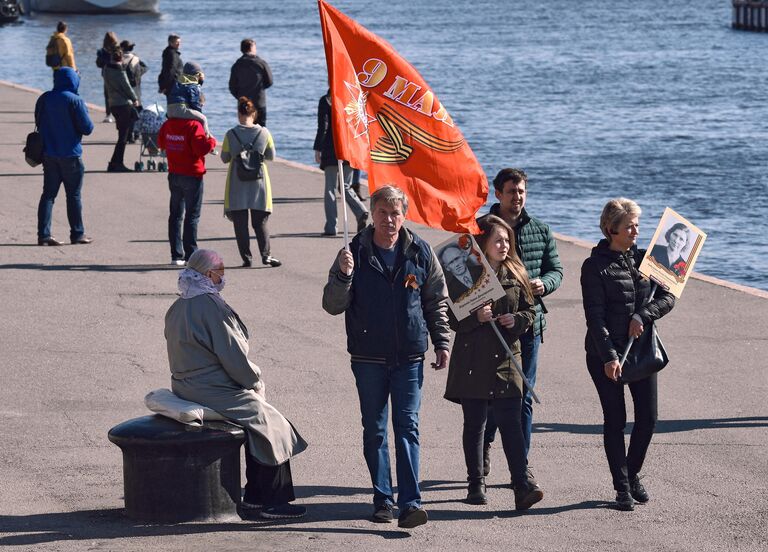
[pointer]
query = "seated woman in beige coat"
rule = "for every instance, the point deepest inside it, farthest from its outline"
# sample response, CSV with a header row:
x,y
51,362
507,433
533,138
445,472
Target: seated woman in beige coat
x,y
208,355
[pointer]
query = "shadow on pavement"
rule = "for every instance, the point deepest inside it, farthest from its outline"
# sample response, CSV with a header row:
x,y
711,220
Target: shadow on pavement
x,y
305,491
88,268
455,515
662,426
37,529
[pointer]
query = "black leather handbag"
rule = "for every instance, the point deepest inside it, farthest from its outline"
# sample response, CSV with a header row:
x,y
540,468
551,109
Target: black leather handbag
x,y
646,356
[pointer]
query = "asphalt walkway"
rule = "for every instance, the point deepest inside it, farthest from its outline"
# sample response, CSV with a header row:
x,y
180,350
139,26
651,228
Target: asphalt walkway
x,y
81,343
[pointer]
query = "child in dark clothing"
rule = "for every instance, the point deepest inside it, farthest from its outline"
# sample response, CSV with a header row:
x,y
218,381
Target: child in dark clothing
x,y
185,100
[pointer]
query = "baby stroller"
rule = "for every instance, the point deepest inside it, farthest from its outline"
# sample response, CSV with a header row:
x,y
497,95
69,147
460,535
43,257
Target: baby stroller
x,y
150,121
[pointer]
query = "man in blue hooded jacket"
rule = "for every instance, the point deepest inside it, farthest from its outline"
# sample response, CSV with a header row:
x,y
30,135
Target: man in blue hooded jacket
x,y
62,119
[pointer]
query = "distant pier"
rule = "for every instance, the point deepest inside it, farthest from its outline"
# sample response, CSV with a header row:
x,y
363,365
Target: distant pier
x,y
750,15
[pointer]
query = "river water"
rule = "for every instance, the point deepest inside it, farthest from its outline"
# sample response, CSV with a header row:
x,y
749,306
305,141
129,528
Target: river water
x,y
657,101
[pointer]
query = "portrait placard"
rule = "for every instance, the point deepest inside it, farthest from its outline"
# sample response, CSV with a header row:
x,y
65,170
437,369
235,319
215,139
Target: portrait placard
x,y
471,281
673,251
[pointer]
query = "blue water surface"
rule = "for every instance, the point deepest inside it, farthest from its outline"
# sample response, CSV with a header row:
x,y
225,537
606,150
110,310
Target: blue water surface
x,y
663,103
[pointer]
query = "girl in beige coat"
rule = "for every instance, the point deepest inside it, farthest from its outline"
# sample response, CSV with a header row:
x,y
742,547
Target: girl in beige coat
x,y
208,355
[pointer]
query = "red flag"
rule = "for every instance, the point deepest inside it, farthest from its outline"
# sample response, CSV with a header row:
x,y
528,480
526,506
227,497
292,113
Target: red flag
x,y
387,121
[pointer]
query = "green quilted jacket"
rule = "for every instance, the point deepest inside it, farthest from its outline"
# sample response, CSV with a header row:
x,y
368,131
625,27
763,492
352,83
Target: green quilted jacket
x,y
537,248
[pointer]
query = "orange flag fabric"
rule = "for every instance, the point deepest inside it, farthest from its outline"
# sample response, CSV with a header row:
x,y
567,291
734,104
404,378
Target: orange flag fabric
x,y
388,122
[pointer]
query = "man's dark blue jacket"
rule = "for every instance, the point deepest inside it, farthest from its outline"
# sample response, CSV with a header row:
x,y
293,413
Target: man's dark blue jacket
x,y
62,117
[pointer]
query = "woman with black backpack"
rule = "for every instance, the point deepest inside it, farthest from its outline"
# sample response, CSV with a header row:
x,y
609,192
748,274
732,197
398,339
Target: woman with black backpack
x,y
248,188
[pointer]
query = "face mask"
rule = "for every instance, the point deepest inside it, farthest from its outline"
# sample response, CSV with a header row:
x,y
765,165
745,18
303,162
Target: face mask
x,y
220,285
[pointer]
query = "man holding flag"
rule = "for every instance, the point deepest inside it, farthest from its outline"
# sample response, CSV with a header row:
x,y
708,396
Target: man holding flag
x,y
390,299
387,121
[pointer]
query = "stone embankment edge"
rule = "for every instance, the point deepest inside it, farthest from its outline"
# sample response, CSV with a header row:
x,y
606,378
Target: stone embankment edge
x,y
562,237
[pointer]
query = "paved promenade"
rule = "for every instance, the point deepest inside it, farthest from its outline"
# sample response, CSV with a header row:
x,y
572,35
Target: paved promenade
x,y
81,343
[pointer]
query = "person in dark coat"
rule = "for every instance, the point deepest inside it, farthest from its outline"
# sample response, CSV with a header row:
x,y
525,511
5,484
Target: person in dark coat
x,y
250,77
62,117
391,289
537,249
172,65
325,155
618,305
481,374
104,58
122,101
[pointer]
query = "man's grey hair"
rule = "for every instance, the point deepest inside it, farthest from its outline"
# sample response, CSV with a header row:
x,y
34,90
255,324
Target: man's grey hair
x,y
390,194
204,260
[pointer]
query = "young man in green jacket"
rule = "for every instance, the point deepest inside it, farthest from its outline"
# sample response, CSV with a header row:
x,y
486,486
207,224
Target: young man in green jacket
x,y
537,249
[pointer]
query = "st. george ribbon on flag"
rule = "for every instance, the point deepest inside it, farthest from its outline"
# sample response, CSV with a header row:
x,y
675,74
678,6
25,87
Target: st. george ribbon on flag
x,y
387,121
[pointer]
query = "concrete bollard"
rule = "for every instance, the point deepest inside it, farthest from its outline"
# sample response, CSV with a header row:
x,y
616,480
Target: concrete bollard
x,y
174,472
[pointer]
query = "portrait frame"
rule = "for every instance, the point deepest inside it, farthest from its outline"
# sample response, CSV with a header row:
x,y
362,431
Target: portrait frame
x,y
666,262
480,285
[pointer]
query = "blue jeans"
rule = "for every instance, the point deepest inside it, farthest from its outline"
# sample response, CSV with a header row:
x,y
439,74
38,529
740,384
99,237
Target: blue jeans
x,y
529,349
376,383
69,171
186,203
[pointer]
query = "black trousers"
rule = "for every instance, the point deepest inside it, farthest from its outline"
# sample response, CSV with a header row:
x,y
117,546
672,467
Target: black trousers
x,y
267,485
123,115
261,117
507,412
625,465
106,100
259,222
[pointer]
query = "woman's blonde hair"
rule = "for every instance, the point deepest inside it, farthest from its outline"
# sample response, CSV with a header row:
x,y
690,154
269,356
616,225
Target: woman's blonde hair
x,y
614,212
512,263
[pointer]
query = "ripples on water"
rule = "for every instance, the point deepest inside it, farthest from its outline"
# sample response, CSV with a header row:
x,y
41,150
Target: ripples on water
x,y
659,102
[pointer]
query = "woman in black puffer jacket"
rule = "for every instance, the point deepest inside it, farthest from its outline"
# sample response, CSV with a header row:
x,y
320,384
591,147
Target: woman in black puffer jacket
x,y
617,305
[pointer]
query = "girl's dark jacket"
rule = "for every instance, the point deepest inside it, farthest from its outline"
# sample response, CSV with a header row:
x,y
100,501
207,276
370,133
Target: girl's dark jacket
x,y
480,367
612,291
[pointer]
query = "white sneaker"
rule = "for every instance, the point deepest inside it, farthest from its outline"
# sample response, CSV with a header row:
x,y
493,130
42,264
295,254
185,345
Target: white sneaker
x,y
178,262
108,119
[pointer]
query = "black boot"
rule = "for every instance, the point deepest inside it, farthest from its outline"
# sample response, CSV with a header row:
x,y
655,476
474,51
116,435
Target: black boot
x,y
476,492
526,495
637,490
624,501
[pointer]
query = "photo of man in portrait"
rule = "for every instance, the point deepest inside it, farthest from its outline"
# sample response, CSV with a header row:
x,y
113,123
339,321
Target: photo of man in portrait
x,y
462,270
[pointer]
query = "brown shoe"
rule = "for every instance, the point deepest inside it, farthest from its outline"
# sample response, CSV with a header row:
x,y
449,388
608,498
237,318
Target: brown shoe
x,y
50,240
82,240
